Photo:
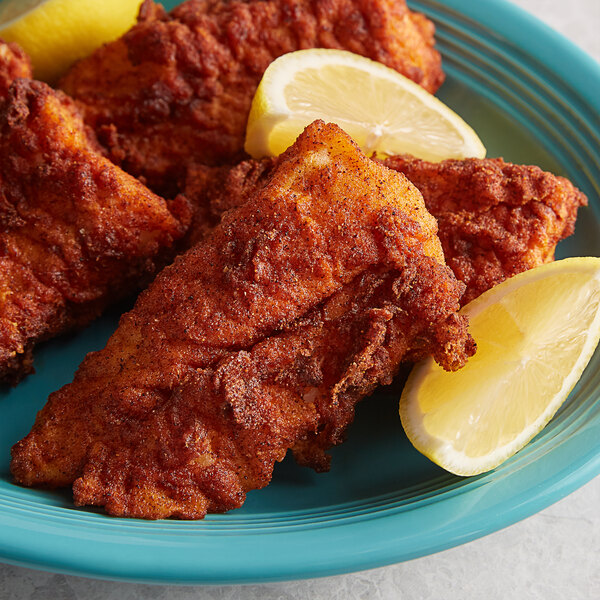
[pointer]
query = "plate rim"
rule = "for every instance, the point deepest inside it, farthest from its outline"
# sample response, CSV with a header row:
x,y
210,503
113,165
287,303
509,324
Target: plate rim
x,y
576,69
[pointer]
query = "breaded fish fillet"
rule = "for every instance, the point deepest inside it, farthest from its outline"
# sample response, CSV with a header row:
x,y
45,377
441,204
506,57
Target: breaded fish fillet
x,y
76,232
14,63
178,86
260,339
495,219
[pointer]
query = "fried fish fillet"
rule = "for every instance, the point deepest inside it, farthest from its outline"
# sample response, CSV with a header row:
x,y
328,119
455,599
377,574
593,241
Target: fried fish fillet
x,y
14,63
495,219
76,232
179,85
258,340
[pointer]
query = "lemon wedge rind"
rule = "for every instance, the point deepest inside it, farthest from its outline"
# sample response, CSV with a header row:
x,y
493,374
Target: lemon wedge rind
x,y
56,33
385,112
471,421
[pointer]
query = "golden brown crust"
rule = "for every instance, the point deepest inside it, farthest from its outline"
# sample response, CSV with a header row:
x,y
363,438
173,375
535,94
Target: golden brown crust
x,y
495,219
75,231
14,64
215,190
261,337
179,86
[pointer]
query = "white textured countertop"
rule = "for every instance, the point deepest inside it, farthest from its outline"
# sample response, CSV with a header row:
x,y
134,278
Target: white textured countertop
x,y
552,555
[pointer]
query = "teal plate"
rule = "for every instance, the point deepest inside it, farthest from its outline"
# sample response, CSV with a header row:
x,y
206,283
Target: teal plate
x,y
531,96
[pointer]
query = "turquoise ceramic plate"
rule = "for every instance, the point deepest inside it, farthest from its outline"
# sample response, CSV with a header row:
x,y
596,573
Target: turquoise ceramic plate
x,y
531,95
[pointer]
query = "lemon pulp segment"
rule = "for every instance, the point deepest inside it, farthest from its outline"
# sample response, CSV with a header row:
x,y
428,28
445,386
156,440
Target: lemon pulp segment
x,y
383,111
535,334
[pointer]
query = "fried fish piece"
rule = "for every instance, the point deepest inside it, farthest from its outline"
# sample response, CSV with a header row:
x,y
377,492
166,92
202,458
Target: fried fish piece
x,y
14,64
495,219
76,232
260,339
179,85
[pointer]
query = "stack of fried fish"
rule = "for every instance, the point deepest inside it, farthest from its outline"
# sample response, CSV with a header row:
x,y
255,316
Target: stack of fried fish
x,y
298,284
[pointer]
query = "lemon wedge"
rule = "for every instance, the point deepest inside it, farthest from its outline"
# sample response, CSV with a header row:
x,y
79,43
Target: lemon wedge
x,y
535,334
56,33
383,111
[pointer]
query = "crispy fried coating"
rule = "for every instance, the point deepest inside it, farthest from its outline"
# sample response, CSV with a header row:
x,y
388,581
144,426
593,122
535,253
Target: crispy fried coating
x,y
14,64
179,85
260,339
214,190
76,232
495,219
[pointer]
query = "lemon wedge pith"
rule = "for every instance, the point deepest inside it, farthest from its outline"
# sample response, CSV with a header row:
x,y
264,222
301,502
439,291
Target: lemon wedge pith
x,y
383,111
56,33
535,334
